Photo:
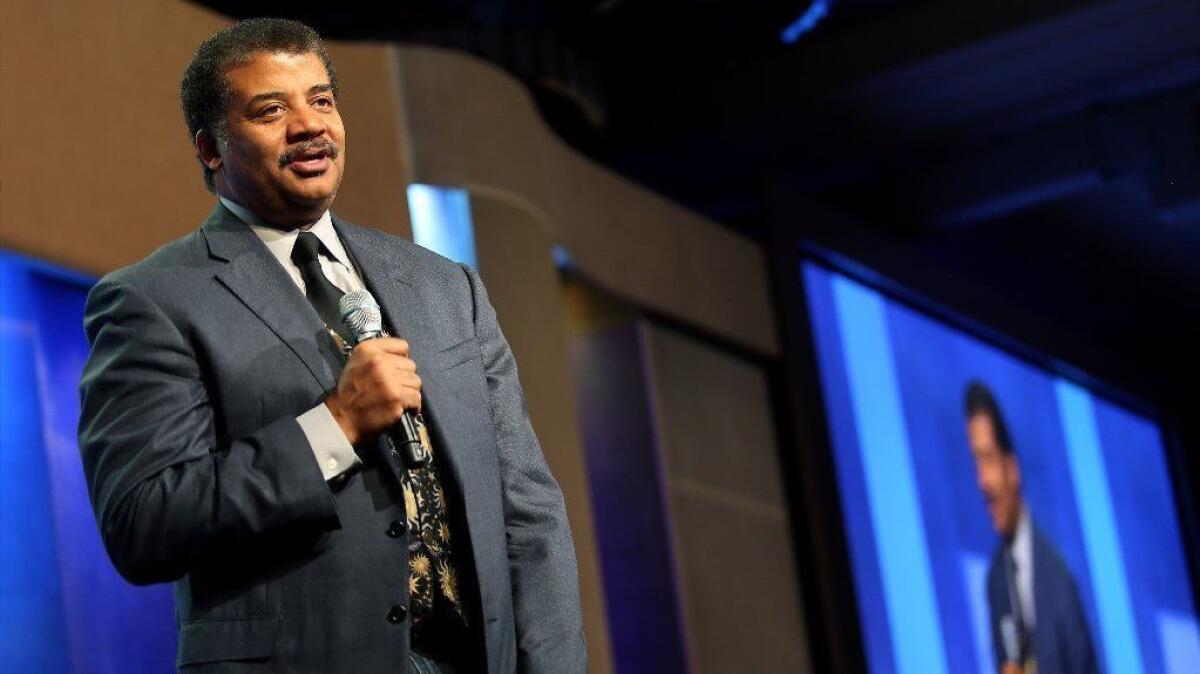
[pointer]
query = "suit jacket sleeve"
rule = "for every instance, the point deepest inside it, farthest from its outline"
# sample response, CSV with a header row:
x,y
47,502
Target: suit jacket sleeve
x,y
541,554
166,492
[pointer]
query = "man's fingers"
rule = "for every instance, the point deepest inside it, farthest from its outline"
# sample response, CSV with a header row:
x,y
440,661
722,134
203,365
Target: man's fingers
x,y
411,380
384,383
411,400
392,345
399,385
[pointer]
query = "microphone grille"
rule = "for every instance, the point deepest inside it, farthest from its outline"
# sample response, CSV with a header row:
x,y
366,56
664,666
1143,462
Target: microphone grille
x,y
361,314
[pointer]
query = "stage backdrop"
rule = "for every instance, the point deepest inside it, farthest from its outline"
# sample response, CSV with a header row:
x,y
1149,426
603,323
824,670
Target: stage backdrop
x,y
1095,478
63,608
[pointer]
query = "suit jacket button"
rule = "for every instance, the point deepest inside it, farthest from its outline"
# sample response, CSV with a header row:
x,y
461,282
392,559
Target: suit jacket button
x,y
397,614
396,529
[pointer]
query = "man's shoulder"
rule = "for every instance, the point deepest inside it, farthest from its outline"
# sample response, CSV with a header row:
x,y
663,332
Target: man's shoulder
x,y
168,279
420,261
169,264
177,270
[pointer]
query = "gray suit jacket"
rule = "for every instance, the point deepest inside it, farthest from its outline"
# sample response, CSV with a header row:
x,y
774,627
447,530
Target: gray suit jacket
x,y
202,356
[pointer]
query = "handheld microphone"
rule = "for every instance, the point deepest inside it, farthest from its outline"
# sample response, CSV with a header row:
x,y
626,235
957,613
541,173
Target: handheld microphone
x,y
360,312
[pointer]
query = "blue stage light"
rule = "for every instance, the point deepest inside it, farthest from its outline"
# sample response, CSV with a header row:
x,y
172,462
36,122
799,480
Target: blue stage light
x,y
817,10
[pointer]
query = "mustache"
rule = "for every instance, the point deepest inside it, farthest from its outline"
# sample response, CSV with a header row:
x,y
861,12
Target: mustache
x,y
315,146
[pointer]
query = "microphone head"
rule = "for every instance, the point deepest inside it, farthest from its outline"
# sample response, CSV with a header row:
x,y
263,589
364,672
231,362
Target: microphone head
x,y
360,312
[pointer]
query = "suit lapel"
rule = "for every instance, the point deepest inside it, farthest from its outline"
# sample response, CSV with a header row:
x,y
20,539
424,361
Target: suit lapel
x,y
387,274
258,280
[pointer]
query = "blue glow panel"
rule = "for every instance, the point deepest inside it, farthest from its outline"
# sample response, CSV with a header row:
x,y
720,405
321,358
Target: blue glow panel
x,y
33,637
63,608
1180,643
1118,636
975,569
441,221
891,486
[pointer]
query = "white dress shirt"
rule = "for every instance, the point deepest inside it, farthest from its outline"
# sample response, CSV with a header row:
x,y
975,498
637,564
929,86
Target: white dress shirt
x,y
332,450
1022,552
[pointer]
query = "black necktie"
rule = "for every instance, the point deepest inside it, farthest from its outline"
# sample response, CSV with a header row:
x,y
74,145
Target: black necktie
x,y
323,294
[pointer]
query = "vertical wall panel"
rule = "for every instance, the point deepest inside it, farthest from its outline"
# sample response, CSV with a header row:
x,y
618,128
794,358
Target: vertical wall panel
x,y
629,501
732,537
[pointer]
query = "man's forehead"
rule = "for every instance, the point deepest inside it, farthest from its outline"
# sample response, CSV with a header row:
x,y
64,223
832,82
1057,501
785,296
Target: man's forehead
x,y
264,70
980,421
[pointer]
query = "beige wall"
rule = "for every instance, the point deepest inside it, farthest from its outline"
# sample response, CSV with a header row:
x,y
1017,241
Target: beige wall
x,y
96,169
472,125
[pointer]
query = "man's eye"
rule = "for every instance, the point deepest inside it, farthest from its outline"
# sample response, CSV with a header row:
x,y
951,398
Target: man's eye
x,y
323,102
270,110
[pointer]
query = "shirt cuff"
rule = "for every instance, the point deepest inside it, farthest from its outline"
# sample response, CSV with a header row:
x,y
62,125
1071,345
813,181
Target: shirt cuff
x,y
333,451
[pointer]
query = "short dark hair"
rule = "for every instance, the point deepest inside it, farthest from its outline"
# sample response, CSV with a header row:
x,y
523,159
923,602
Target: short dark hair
x,y
980,400
204,92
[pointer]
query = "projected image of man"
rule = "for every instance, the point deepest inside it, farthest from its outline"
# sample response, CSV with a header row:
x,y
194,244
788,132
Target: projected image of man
x,y
1037,620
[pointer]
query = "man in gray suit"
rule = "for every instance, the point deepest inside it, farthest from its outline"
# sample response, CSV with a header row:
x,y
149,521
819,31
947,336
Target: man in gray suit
x,y
232,448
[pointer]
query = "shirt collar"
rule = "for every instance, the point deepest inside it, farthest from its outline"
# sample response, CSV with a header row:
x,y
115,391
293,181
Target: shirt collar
x,y
280,242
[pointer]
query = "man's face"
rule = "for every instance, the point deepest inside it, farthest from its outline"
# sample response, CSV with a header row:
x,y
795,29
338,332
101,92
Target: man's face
x,y
997,473
283,153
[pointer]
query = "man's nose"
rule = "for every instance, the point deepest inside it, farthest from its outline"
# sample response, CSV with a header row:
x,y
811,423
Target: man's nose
x,y
306,123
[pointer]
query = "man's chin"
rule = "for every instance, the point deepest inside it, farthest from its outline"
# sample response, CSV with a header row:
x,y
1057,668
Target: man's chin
x,y
997,519
316,195
1004,527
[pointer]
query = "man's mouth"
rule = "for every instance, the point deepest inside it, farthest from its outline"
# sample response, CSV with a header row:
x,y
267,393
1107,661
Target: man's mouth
x,y
311,158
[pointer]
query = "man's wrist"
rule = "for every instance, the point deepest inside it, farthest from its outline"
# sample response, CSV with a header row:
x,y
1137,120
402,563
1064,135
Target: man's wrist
x,y
333,403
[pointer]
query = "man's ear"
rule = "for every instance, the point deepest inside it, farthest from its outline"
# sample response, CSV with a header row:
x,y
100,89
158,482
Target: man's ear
x,y
208,149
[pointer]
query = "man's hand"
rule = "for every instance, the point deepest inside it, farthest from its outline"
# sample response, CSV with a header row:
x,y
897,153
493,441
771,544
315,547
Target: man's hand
x,y
378,383
1011,668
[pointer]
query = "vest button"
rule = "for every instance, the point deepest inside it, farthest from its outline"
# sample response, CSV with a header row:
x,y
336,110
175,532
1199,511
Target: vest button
x,y
396,529
397,614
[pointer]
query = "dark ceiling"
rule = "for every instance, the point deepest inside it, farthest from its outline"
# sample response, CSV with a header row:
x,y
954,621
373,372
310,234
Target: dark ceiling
x,y
1046,150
